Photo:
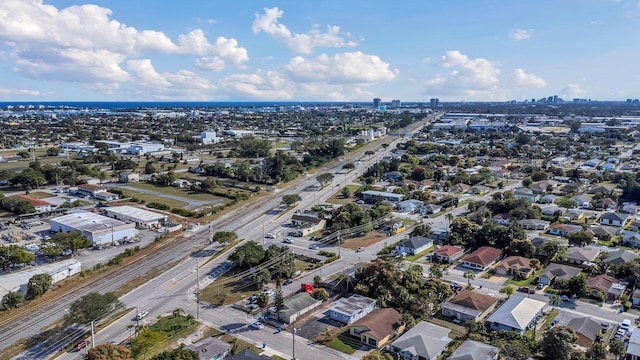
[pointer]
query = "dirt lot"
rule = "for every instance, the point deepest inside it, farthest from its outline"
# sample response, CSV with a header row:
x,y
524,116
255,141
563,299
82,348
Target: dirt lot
x,y
370,238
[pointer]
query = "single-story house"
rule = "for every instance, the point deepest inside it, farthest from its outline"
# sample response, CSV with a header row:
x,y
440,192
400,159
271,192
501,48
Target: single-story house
x,y
482,258
600,231
348,310
575,214
211,348
548,199
296,306
634,225
516,314
614,219
556,271
635,298
475,350
582,256
538,241
621,256
534,224
564,229
550,211
501,219
425,341
306,223
447,254
526,193
478,190
430,209
129,177
247,354
587,330
607,285
609,204
414,245
409,206
582,200
518,266
460,188
392,176
631,238
599,189
629,209
378,327
468,305
633,347
440,235
372,196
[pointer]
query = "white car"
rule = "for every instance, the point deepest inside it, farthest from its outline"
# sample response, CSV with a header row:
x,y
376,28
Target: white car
x,y
288,241
257,325
141,314
270,236
269,292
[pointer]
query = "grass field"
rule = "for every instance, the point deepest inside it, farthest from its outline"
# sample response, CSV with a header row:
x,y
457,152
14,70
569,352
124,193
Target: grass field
x,y
337,197
345,343
370,238
153,198
40,194
171,190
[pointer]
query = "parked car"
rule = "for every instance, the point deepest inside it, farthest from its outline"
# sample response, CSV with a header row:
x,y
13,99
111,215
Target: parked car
x,y
257,325
269,292
287,282
564,298
360,249
527,290
141,314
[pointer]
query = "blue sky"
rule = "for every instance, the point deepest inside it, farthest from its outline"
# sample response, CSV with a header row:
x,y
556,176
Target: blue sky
x,y
348,50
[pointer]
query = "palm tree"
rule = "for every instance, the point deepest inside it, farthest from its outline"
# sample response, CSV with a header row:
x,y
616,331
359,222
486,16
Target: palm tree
x,y
469,275
449,217
555,300
262,300
177,313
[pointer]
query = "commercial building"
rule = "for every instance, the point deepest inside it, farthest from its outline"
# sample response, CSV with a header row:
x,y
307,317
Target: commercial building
x,y
372,196
17,281
100,230
140,217
376,103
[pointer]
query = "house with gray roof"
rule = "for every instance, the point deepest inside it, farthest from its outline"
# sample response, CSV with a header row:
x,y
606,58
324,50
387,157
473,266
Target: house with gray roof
x,y
587,330
296,306
582,256
582,200
211,349
475,350
534,224
556,271
414,245
348,310
621,256
614,219
525,193
516,314
423,341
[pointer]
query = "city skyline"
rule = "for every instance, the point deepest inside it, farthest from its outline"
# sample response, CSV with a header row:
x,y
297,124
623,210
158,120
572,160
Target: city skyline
x,y
299,51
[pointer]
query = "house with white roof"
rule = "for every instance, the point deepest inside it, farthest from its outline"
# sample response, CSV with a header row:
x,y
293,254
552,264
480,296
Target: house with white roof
x,y
517,314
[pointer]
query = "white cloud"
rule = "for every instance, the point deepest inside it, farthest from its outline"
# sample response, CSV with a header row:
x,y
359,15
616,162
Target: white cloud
x,y
469,77
571,91
85,44
180,85
426,60
256,86
343,68
13,93
520,78
521,34
300,43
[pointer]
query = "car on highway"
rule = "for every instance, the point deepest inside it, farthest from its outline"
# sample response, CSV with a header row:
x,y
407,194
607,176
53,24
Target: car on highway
x,y
287,282
82,345
270,236
313,246
360,249
269,292
141,314
257,325
288,241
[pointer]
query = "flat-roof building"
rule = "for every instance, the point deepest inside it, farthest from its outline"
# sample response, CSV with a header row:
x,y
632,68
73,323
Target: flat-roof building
x,y
100,230
141,217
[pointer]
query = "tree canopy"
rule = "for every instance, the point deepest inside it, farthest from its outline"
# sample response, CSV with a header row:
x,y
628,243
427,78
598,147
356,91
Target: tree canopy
x,y
247,255
291,199
177,354
557,343
38,285
224,237
108,352
92,306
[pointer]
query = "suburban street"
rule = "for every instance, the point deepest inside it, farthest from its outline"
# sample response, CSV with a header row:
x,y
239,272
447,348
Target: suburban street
x,y
175,288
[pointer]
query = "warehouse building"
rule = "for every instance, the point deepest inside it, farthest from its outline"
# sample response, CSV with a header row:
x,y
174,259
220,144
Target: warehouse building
x,y
17,281
100,230
140,217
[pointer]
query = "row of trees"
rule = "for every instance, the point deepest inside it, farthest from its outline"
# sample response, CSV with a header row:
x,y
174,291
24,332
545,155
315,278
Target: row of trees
x,y
276,262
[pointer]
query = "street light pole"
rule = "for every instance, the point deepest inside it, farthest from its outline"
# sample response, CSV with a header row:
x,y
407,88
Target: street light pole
x,y
197,290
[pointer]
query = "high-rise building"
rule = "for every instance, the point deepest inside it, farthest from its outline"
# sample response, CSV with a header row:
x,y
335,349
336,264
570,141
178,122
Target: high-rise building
x,y
395,103
376,103
435,102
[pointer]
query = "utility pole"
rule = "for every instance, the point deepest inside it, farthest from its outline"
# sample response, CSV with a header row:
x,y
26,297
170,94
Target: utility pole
x,y
262,233
294,340
112,241
197,290
93,335
338,244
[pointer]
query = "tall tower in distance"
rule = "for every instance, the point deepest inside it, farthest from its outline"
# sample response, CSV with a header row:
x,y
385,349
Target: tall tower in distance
x,y
435,102
376,103
395,103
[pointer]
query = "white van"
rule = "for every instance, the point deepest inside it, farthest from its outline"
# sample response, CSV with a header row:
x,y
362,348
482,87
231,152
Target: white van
x,y
626,323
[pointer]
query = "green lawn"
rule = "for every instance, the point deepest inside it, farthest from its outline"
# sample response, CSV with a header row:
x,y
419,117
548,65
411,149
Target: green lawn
x,y
419,255
152,198
174,191
345,343
40,194
525,282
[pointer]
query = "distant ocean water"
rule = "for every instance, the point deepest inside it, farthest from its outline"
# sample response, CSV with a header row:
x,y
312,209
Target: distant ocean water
x,y
113,105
